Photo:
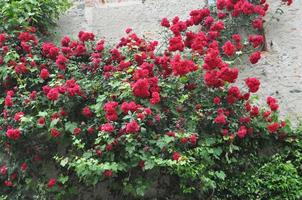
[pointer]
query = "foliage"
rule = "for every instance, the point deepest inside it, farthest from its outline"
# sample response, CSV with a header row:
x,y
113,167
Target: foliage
x,y
20,14
140,114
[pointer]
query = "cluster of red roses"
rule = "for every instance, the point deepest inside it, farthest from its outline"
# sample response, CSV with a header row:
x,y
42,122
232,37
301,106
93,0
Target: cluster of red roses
x,y
134,63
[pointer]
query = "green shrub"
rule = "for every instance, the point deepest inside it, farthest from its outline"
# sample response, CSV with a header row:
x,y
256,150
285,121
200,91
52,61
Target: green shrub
x,y
42,14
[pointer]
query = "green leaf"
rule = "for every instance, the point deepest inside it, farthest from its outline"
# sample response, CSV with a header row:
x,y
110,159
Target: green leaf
x,y
220,174
54,123
70,126
63,179
64,162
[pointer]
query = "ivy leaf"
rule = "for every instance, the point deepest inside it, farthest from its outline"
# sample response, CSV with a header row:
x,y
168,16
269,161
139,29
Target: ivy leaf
x,y
42,114
149,164
54,123
63,179
220,174
70,126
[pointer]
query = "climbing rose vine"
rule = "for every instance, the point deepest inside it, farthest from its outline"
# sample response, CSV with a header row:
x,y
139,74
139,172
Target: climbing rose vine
x,y
91,113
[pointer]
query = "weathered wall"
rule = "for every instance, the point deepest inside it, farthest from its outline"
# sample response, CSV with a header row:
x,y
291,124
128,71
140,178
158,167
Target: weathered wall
x,y
110,19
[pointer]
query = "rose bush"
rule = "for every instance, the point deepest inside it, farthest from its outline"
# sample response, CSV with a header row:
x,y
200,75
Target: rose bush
x,y
81,113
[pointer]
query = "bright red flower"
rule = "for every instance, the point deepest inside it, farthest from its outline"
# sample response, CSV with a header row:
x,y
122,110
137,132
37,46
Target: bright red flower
x,y
182,67
129,106
109,128
18,116
53,94
256,40
176,43
54,133
13,134
85,36
8,183
76,131
3,170
255,57
258,23
220,119
44,74
165,22
8,101
61,62
155,98
41,121
110,110
242,132
141,88
87,112
184,140
176,156
193,139
253,84
132,127
216,100
228,48
272,128
51,182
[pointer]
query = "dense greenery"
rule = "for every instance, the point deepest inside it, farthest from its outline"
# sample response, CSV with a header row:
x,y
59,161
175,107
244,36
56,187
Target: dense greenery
x,y
42,14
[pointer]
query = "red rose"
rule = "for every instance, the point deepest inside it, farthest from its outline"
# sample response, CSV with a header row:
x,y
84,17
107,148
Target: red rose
x,y
44,74
220,119
76,131
54,133
86,112
193,139
41,121
258,23
255,57
108,173
253,84
23,166
155,98
242,132
90,130
170,134
216,100
272,128
8,183
51,182
61,62
109,128
176,156
109,147
13,134
228,48
141,88
18,116
53,94
165,22
131,106
184,140
132,127
3,170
